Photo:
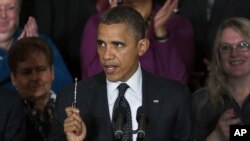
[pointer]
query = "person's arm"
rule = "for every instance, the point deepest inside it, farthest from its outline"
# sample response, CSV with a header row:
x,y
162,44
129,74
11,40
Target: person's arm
x,y
15,128
90,64
4,68
161,19
174,57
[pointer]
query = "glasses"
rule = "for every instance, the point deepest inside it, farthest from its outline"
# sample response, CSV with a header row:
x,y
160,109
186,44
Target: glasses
x,y
227,48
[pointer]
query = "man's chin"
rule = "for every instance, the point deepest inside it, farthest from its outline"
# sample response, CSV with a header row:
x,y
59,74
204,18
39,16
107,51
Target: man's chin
x,y
112,78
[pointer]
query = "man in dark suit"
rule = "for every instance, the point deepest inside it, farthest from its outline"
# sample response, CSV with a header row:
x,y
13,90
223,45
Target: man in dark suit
x,y
12,116
120,41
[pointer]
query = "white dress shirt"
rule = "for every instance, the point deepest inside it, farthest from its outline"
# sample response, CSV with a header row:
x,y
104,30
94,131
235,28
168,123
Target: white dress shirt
x,y
133,95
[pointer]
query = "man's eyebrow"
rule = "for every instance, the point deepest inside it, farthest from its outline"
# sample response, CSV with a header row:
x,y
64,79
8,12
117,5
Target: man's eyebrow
x,y
98,40
118,42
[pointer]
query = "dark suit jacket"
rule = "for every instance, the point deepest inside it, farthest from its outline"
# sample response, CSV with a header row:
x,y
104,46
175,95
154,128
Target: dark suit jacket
x,y
204,30
169,119
11,116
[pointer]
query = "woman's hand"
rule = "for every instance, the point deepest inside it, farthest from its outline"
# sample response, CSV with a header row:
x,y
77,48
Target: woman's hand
x,y
30,29
222,130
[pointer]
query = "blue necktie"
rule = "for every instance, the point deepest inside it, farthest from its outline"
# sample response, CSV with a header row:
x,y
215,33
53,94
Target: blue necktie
x,y
122,102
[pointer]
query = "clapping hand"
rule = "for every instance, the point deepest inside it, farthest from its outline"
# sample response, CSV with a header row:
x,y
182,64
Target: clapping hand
x,y
163,15
222,130
30,29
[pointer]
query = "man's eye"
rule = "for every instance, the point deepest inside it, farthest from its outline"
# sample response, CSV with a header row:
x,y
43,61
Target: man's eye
x,y
100,44
118,45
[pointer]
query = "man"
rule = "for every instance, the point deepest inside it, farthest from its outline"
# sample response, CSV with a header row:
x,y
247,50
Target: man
x,y
12,117
120,42
9,33
170,53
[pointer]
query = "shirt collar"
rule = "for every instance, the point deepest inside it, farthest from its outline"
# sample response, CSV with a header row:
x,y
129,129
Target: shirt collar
x,y
134,82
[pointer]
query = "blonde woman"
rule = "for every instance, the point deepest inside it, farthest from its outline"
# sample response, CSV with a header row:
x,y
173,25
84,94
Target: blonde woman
x,y
225,101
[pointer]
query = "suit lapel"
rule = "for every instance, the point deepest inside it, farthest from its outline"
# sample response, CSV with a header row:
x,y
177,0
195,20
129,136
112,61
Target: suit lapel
x,y
102,110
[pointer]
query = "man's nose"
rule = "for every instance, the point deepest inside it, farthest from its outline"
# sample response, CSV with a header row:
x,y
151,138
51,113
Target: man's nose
x,y
108,53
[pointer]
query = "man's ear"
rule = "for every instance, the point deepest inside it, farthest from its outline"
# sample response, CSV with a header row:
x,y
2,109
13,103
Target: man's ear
x,y
143,46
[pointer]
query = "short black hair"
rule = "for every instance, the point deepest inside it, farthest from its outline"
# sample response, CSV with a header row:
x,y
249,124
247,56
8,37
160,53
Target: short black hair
x,y
127,15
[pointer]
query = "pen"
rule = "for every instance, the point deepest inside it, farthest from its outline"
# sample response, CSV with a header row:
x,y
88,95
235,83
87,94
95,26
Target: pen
x,y
74,104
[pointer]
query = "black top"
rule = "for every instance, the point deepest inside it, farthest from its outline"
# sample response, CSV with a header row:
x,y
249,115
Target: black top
x,y
38,124
206,116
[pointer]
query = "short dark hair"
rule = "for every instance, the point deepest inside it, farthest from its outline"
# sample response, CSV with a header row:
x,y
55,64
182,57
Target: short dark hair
x,y
128,15
22,48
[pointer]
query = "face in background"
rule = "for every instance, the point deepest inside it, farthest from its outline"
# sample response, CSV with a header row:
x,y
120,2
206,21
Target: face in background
x,y
34,77
119,50
235,63
9,19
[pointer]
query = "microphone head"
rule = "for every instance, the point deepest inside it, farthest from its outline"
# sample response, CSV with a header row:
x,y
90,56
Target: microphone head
x,y
140,112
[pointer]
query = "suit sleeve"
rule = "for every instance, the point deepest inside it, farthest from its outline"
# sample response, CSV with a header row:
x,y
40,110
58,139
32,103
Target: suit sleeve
x,y
183,125
57,131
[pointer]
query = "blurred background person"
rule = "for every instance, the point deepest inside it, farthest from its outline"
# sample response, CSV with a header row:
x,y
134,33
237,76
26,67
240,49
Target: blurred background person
x,y
12,127
10,32
171,41
32,73
225,101
206,17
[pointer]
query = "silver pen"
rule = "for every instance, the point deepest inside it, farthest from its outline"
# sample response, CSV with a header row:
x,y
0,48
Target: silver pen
x,y
74,103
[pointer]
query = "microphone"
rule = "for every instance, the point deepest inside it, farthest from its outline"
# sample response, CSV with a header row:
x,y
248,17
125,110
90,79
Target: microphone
x,y
120,117
142,123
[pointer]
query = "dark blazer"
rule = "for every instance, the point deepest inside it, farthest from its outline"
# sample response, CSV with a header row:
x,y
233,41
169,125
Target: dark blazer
x,y
168,119
11,116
